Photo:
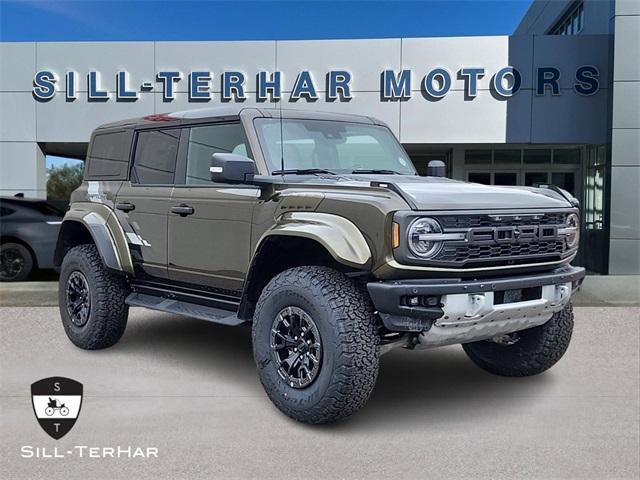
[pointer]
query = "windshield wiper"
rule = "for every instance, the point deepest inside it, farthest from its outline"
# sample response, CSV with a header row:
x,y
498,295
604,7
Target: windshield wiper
x,y
302,171
377,171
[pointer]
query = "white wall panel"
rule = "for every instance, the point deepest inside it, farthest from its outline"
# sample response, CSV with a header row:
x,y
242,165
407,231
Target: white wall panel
x,y
105,57
364,59
216,57
17,116
18,65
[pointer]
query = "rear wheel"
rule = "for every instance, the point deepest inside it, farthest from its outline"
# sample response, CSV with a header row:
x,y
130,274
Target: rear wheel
x,y
92,299
528,352
16,262
315,343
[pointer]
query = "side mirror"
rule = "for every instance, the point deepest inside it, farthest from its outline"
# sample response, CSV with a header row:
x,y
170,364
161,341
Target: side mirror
x,y
436,168
231,168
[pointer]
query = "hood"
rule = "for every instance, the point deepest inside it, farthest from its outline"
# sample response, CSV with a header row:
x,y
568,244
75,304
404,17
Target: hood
x,y
435,193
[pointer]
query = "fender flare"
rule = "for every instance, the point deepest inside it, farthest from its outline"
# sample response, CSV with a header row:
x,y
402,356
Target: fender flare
x,y
106,233
338,235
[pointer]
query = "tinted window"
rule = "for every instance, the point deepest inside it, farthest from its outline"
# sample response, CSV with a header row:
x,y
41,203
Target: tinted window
x,y
109,155
205,141
5,211
155,157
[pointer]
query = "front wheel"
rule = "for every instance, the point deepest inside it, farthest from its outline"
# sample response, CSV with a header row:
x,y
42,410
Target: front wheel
x,y
92,299
315,343
527,352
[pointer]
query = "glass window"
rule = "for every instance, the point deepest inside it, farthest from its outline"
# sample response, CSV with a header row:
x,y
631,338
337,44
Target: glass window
x,y
507,156
476,157
532,179
537,155
340,147
155,157
205,141
565,180
505,178
567,155
571,23
5,211
109,155
480,177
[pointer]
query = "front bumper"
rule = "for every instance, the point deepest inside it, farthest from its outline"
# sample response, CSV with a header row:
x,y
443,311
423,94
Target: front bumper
x,y
446,311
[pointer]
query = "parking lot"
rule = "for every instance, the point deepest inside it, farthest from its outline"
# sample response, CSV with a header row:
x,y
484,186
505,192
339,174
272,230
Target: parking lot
x,y
189,388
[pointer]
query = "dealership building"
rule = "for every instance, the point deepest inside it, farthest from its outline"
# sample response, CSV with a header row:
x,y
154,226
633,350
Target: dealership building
x,y
556,102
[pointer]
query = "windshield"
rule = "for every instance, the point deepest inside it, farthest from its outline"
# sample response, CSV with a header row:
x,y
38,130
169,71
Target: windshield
x,y
338,147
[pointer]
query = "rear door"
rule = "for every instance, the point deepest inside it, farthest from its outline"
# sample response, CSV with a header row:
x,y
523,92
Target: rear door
x,y
209,223
143,202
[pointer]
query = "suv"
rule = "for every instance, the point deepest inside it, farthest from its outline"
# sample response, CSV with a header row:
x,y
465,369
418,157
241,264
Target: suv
x,y
317,230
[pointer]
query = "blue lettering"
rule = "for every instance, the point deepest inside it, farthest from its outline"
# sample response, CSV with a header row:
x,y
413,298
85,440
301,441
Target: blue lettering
x,y
443,77
587,80
233,83
548,76
122,93
199,86
338,81
71,86
44,86
304,87
471,75
167,79
513,85
264,86
396,86
93,89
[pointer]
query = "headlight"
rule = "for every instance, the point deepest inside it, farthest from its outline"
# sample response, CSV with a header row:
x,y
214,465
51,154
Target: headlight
x,y
572,230
420,243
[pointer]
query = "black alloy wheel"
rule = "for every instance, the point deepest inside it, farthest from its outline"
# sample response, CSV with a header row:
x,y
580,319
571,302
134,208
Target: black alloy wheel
x,y
296,347
78,299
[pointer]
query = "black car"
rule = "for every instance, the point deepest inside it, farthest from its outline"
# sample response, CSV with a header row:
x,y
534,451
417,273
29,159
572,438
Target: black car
x,y
28,233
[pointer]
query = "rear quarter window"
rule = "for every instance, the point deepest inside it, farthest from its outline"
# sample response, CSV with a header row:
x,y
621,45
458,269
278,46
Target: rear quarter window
x,y
108,157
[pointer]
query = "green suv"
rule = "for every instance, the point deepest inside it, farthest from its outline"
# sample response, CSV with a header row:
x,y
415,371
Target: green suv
x,y
317,230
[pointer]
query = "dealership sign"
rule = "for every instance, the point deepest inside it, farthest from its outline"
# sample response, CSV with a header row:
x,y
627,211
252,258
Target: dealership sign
x,y
337,84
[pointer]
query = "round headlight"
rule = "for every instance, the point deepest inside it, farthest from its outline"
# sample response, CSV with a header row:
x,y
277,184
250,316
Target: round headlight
x,y
572,230
419,242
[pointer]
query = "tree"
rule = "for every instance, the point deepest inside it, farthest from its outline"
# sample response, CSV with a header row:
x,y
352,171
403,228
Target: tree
x,y
63,180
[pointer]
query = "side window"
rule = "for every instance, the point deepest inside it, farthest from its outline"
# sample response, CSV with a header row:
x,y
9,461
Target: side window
x,y
205,141
155,156
6,211
109,156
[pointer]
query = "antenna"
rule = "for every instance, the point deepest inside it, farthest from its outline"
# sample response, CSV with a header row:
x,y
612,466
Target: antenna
x,y
281,142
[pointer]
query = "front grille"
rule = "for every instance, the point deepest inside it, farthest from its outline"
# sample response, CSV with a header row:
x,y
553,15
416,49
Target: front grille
x,y
461,254
482,220
487,243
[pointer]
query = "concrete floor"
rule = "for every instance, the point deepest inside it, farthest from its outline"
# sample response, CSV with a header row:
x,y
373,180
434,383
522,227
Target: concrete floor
x,y
190,389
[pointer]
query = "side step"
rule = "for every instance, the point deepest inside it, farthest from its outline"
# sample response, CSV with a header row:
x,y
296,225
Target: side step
x,y
194,310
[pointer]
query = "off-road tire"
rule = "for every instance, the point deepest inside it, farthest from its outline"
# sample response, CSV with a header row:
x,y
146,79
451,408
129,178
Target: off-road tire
x,y
344,315
536,350
27,259
108,291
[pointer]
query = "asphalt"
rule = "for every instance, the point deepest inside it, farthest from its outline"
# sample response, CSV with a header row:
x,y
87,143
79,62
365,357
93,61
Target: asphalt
x,y
190,389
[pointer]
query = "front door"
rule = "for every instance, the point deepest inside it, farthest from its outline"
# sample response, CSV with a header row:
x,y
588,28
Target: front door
x,y
210,224
142,204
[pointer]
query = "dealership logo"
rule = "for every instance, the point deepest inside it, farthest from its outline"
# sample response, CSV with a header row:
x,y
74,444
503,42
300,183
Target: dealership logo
x,y
337,85
56,404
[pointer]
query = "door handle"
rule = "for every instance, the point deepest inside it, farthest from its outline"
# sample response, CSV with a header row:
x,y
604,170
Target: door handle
x,y
182,210
125,206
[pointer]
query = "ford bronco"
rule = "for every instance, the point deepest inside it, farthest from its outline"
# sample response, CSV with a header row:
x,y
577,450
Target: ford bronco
x,y
316,229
